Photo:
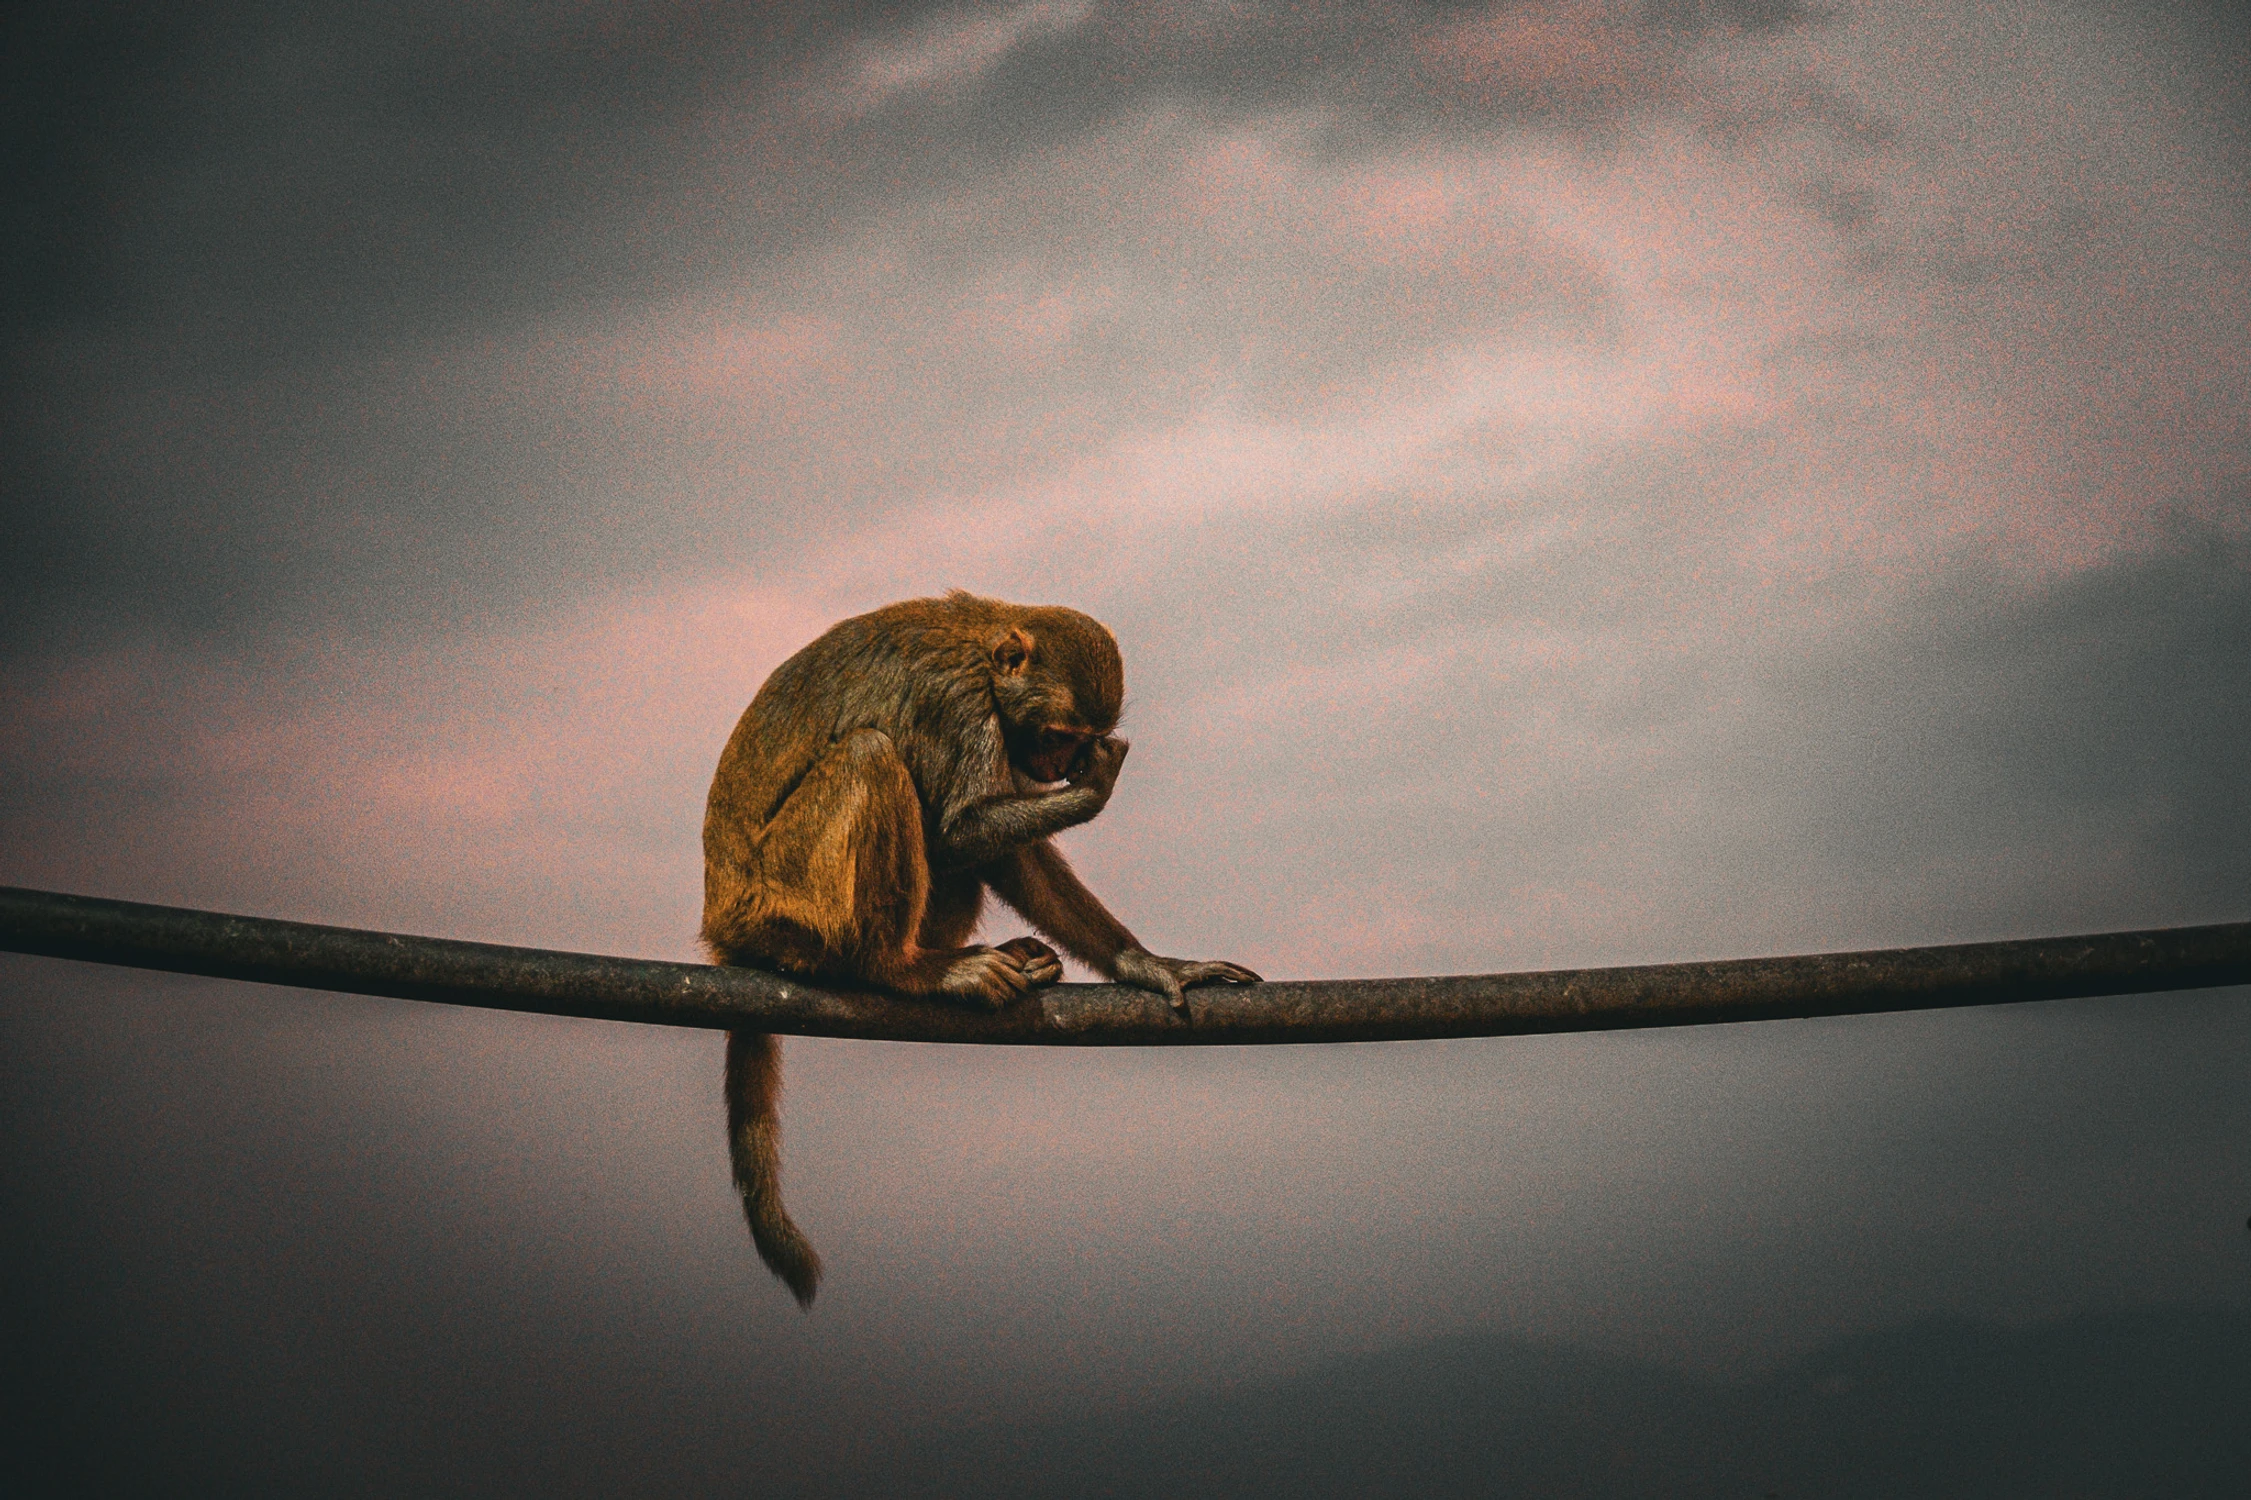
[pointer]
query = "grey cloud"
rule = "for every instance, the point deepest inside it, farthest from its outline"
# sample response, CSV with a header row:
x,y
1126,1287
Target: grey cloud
x,y
243,235
1748,15
2085,740
1359,66
1848,765
216,213
271,180
436,483
276,177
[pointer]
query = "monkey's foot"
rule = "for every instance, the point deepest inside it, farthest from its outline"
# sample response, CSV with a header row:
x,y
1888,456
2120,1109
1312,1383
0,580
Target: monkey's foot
x,y
1041,966
989,976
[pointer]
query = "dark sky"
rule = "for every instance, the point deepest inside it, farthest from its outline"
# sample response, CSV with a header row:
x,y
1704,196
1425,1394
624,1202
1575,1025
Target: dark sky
x,y
1574,484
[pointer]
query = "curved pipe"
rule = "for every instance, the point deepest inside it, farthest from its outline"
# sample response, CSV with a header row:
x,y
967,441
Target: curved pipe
x,y
357,961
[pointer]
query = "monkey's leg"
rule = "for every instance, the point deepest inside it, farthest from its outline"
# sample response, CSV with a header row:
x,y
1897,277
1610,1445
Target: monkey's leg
x,y
844,861
950,912
956,898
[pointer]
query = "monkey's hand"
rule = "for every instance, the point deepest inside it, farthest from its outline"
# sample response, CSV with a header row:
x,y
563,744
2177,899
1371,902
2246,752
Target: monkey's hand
x,y
984,831
1169,977
1095,772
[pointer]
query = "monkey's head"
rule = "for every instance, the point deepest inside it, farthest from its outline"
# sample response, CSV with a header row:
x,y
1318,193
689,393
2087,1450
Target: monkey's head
x,y
1059,684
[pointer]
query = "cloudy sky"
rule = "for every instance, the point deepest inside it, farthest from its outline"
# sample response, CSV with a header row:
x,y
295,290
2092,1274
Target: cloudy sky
x,y
1574,483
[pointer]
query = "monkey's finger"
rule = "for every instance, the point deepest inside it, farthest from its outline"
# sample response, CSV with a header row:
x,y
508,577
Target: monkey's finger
x,y
1038,961
1005,980
1207,971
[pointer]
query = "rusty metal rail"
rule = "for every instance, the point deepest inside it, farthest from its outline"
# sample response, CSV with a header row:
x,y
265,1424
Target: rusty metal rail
x,y
1330,1010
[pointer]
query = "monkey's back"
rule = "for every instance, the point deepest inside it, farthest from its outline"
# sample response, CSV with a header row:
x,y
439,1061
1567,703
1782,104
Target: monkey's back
x,y
913,670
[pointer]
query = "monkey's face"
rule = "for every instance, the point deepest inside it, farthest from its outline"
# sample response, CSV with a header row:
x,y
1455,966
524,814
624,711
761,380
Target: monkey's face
x,y
1046,732
1058,684
1055,753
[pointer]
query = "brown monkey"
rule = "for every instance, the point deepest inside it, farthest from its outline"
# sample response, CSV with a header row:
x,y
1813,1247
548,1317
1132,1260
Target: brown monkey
x,y
883,779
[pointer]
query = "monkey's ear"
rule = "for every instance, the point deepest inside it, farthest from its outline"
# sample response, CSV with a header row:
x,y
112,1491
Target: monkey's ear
x,y
1011,652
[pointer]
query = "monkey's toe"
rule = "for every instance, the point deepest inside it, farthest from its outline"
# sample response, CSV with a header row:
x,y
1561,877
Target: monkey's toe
x,y
1040,963
986,976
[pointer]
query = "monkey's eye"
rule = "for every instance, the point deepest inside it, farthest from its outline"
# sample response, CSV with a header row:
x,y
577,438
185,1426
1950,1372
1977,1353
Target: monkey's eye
x,y
1058,754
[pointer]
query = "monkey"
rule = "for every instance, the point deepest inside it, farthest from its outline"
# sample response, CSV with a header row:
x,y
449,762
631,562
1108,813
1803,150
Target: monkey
x,y
881,782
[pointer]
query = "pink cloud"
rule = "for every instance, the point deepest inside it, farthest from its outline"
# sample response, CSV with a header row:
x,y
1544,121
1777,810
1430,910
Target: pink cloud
x,y
1568,59
1781,415
949,50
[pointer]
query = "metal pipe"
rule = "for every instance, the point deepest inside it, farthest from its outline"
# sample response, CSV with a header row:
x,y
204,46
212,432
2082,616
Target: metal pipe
x,y
1329,1010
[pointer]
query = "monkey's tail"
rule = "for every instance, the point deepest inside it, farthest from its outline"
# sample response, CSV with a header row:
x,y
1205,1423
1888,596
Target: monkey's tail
x,y
754,1138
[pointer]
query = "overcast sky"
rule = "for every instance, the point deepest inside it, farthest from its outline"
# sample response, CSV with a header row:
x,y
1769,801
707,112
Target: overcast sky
x,y
1573,483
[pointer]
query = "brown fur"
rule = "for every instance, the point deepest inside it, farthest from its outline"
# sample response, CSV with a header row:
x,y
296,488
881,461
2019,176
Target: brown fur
x,y
880,782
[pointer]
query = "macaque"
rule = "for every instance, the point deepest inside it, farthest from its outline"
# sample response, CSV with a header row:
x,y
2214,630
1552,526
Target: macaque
x,y
885,778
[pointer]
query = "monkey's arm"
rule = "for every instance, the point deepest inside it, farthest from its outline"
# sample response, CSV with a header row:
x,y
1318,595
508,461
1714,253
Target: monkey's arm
x,y
990,829
1040,884
982,831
